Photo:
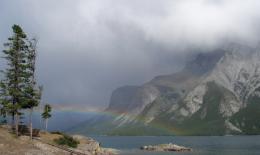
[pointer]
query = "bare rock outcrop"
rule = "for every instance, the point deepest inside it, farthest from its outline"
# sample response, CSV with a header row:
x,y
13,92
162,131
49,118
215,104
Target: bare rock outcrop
x,y
166,147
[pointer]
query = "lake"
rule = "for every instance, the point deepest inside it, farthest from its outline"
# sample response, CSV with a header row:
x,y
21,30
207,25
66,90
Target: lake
x,y
202,145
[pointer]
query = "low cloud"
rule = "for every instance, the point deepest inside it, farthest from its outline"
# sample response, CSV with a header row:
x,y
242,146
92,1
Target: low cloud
x,y
87,48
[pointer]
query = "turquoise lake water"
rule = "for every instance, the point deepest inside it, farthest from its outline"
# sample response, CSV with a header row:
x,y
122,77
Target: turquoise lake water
x,y
202,145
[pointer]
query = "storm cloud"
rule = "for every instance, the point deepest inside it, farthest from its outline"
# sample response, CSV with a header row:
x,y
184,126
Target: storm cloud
x,y
87,48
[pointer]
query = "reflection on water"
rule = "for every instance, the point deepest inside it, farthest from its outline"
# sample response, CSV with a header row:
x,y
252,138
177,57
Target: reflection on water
x,y
203,145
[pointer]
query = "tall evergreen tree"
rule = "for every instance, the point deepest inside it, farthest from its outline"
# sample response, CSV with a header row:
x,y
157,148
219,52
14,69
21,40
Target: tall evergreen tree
x,y
46,115
32,92
13,84
18,87
3,111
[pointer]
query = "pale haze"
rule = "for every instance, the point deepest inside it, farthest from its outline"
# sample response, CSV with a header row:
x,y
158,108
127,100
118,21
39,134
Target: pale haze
x,y
88,48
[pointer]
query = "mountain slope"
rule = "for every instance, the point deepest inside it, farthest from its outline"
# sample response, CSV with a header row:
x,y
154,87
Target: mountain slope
x,y
215,94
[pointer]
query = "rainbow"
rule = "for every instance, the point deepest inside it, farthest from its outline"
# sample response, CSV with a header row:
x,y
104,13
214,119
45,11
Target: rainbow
x,y
94,112
157,125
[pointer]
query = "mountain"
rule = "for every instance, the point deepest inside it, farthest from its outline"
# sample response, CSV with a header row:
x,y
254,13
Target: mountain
x,y
217,93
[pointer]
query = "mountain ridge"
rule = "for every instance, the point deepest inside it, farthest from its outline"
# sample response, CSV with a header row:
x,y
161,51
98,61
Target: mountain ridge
x,y
212,95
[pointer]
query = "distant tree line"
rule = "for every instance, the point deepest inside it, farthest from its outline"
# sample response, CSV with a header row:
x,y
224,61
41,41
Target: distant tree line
x,y
18,87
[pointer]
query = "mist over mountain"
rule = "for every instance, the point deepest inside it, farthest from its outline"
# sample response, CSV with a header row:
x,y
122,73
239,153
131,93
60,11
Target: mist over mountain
x,y
215,94
135,77
87,50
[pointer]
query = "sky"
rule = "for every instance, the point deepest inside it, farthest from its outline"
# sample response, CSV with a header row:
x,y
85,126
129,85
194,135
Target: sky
x,y
88,48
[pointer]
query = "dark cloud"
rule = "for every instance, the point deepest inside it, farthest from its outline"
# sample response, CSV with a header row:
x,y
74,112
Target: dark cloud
x,y
87,48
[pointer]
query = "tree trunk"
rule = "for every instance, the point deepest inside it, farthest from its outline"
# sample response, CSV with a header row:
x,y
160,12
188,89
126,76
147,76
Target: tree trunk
x,y
13,120
31,127
16,124
46,124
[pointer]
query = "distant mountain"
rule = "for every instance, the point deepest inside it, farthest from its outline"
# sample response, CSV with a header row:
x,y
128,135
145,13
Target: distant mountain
x,y
217,93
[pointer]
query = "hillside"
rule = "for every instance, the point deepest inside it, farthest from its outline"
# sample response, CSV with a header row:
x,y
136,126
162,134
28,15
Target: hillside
x,y
215,94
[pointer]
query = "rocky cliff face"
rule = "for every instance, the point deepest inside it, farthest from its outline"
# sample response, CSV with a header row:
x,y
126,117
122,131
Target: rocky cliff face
x,y
121,99
133,99
217,93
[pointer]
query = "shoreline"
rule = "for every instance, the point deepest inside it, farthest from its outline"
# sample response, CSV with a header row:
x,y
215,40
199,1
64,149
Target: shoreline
x,y
45,143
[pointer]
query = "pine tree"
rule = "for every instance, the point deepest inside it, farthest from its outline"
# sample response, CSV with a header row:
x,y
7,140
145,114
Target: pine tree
x,y
32,92
46,115
3,102
15,76
18,89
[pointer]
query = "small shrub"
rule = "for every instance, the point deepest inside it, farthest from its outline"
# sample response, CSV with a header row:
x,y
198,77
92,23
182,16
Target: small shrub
x,y
67,141
57,132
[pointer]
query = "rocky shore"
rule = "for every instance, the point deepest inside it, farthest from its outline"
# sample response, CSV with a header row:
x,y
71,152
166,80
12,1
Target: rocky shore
x,y
165,147
89,145
44,145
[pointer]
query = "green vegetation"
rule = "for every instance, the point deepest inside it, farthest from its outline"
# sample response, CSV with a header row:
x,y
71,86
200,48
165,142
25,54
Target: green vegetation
x,y
46,115
248,119
57,132
140,129
206,121
67,140
18,88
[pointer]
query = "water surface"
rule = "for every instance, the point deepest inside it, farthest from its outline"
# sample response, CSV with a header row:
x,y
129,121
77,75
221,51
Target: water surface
x,y
202,145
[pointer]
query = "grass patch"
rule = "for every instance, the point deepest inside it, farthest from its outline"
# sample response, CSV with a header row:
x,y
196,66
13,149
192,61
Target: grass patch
x,y
57,132
67,140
